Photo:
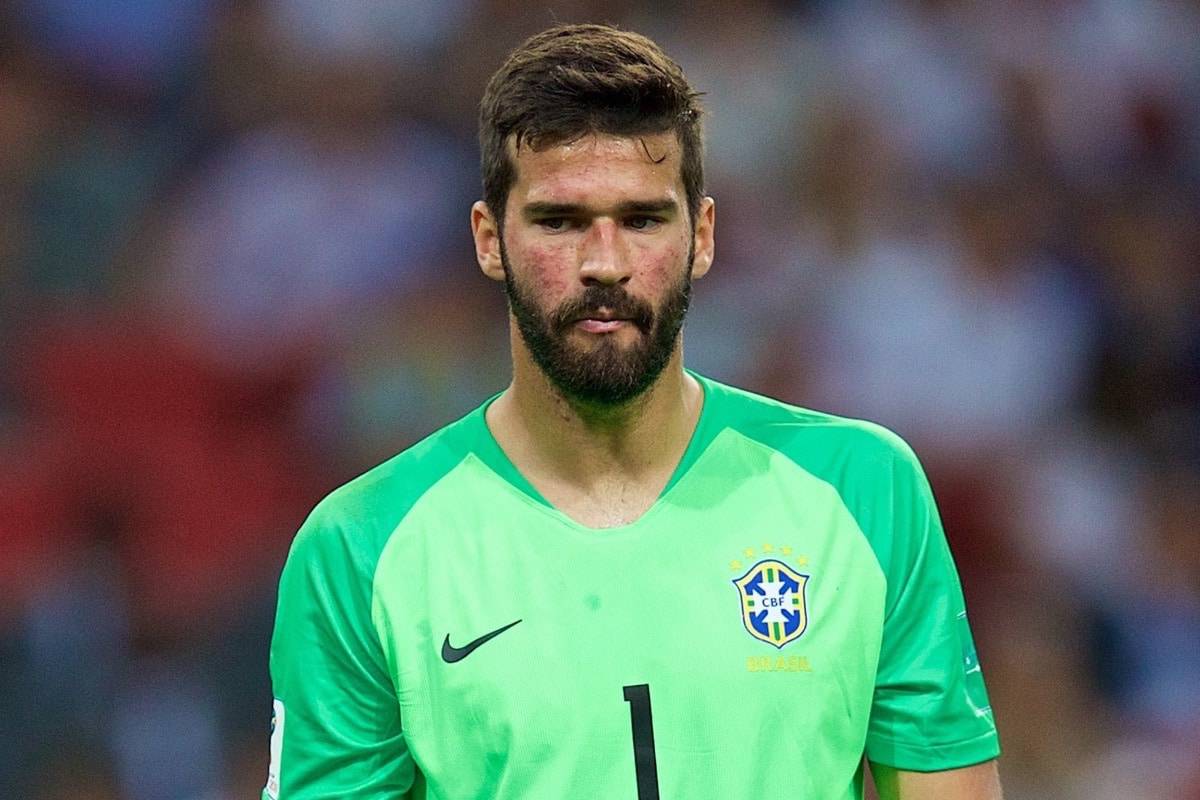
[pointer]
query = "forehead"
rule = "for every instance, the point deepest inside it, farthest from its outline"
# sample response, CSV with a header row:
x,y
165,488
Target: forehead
x,y
599,168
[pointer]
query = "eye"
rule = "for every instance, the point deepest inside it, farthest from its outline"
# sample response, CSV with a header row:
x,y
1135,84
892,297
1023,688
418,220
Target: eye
x,y
642,222
554,223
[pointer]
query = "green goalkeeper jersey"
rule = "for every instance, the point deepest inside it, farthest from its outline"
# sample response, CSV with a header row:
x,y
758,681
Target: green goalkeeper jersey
x,y
787,606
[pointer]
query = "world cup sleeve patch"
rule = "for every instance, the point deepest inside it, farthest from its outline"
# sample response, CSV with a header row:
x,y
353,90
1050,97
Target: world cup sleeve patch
x,y
773,603
277,719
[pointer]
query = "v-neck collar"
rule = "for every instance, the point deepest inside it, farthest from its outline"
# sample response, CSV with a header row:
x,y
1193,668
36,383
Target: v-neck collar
x,y
488,450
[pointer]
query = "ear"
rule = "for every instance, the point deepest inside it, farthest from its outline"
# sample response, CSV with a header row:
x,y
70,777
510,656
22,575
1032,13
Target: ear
x,y
486,232
706,219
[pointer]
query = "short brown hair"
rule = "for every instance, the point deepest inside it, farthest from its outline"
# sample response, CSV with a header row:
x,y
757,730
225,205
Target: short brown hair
x,y
572,80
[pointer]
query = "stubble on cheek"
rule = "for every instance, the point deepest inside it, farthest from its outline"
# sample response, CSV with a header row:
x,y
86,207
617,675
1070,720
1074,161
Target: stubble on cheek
x,y
664,268
545,277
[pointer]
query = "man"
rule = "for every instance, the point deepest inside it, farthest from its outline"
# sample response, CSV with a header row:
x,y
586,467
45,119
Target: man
x,y
618,579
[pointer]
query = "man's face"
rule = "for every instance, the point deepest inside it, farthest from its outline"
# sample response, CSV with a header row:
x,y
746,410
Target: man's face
x,y
598,254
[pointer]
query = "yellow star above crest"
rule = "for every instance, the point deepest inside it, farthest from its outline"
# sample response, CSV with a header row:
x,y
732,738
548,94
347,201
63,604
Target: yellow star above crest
x,y
735,565
748,552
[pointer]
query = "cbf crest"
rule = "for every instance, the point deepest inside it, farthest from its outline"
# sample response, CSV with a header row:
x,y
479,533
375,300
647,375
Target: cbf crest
x,y
773,605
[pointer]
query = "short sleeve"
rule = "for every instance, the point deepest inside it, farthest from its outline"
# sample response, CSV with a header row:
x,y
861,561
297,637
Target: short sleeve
x,y
930,710
336,731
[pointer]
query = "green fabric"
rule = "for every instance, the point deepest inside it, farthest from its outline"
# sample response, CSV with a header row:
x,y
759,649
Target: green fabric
x,y
342,737
930,709
448,541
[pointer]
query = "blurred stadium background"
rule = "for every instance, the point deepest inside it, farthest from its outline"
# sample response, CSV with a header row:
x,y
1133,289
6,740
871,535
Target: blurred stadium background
x,y
235,271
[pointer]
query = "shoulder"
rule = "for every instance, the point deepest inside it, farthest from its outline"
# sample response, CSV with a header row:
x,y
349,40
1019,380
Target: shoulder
x,y
354,521
813,438
873,471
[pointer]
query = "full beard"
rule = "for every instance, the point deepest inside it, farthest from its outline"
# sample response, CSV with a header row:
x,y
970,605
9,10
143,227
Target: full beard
x,y
606,374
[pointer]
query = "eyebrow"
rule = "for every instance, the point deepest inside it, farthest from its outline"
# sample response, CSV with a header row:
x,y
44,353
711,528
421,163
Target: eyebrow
x,y
666,205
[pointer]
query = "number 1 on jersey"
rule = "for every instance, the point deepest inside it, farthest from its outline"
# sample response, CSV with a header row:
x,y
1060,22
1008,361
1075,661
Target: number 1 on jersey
x,y
644,761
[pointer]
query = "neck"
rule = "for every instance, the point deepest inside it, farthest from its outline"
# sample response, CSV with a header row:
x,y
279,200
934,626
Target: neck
x,y
551,437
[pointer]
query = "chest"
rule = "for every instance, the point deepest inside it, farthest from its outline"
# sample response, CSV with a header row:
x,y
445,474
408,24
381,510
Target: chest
x,y
516,636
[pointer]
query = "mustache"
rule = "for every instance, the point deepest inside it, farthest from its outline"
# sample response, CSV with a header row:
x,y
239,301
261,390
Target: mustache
x,y
613,299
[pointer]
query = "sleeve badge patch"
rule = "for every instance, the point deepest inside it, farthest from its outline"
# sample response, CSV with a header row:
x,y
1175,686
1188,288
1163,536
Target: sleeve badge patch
x,y
277,719
773,602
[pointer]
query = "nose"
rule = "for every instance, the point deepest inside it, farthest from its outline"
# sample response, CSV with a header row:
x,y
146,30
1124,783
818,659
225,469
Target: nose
x,y
602,257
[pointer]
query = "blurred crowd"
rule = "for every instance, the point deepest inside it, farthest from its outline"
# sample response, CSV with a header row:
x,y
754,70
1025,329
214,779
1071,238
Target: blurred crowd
x,y
235,271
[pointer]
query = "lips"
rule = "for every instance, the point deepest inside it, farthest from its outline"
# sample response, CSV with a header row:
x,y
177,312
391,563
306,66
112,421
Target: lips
x,y
593,325
603,310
